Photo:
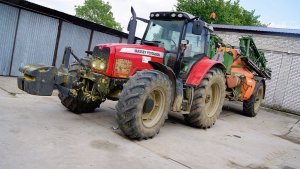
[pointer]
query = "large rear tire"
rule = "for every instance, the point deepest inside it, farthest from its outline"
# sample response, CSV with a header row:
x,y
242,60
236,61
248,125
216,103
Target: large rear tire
x,y
144,104
252,105
208,100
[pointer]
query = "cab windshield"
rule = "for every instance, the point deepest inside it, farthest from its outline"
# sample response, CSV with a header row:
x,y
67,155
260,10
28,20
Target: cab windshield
x,y
165,34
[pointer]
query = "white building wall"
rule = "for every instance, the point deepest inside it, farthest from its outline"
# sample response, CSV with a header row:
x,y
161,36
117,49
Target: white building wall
x,y
283,55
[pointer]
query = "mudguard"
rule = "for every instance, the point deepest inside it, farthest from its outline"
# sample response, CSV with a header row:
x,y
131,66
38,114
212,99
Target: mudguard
x,y
166,70
200,69
263,81
176,84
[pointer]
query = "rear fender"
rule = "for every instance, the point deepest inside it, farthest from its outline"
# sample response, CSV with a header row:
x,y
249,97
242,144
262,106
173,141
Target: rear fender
x,y
177,86
200,69
261,80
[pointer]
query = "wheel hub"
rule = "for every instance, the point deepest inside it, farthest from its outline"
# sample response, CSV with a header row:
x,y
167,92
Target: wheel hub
x,y
212,100
258,99
153,108
207,99
149,105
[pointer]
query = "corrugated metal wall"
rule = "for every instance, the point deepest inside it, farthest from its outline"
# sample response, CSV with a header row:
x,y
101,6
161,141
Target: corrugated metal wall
x,y
32,38
75,36
124,40
100,37
8,24
283,54
35,41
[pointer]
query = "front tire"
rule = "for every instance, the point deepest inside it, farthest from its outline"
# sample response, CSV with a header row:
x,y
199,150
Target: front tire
x,y
77,106
208,100
72,103
144,104
75,67
252,105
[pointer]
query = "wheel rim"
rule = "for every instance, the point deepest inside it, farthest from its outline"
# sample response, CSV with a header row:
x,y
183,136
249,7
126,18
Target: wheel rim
x,y
153,115
212,99
258,98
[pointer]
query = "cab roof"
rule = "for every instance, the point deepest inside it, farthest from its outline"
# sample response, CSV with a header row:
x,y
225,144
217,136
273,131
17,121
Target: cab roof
x,y
171,15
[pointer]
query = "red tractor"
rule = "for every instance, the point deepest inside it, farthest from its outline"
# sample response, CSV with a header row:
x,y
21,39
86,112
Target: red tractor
x,y
178,65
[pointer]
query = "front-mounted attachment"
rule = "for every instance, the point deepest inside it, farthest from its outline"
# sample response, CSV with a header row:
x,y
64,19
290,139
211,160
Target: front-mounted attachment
x,y
37,79
41,79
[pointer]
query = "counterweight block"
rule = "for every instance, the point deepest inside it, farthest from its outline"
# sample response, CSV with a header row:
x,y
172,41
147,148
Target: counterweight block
x,y
37,79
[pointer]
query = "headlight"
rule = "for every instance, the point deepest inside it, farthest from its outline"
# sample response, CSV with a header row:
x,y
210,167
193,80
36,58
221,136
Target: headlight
x,y
102,66
123,66
99,64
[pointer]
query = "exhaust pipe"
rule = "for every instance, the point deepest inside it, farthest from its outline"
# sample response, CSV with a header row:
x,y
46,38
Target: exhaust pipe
x,y
132,27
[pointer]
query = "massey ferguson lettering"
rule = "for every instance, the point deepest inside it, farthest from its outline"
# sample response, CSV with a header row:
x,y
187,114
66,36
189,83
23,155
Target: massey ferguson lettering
x,y
146,52
142,52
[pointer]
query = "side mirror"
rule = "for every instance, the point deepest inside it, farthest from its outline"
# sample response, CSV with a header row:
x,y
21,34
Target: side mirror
x,y
197,27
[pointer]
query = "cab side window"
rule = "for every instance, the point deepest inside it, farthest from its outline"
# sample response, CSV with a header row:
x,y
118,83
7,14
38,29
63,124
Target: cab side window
x,y
196,45
194,51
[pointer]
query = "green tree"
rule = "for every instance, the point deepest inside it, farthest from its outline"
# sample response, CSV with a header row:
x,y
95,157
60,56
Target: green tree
x,y
227,11
99,12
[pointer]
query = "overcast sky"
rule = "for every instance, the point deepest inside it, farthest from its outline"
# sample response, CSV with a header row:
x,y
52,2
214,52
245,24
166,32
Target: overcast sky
x,y
278,13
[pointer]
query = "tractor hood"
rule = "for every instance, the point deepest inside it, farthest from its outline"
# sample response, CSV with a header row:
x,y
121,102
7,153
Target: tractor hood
x,y
126,59
136,49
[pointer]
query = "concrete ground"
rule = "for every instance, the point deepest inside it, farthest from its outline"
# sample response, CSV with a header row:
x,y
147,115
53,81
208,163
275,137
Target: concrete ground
x,y
38,132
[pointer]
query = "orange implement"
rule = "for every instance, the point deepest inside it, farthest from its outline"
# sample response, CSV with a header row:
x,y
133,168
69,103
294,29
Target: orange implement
x,y
239,69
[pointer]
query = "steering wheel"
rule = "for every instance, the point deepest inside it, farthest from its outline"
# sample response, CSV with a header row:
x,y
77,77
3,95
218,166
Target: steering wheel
x,y
174,43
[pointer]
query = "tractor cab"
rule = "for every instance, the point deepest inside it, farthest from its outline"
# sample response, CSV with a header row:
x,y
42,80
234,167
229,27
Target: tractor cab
x,y
185,39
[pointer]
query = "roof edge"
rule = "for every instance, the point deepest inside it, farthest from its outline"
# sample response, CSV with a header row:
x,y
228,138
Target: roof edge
x,y
257,29
26,5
